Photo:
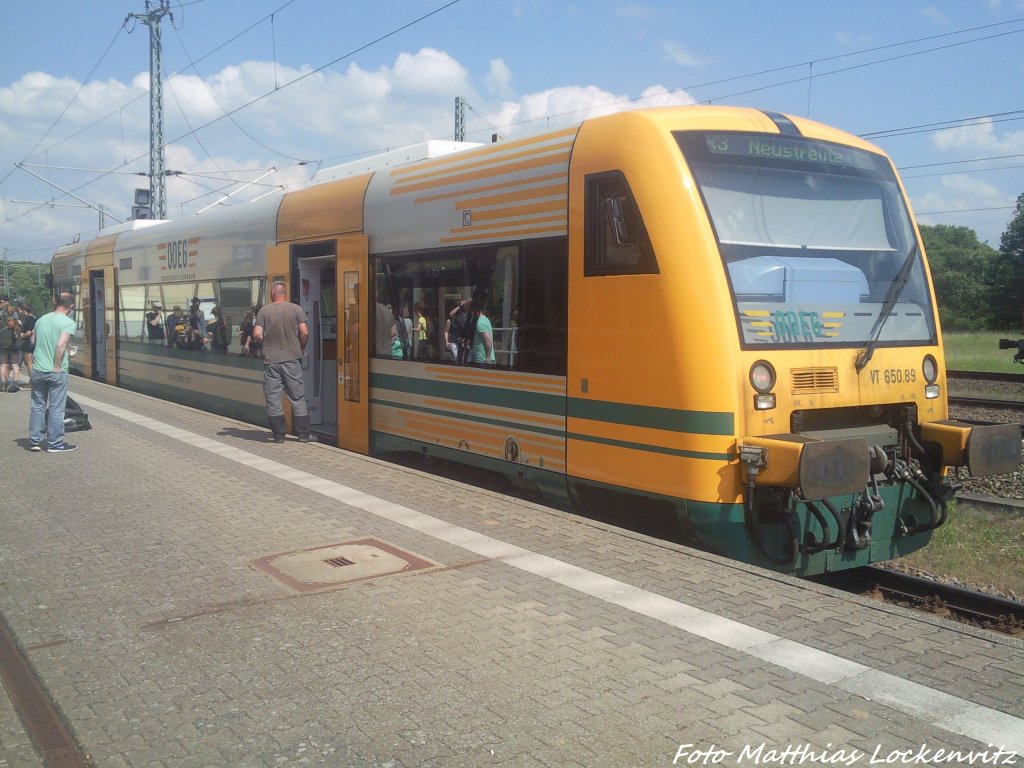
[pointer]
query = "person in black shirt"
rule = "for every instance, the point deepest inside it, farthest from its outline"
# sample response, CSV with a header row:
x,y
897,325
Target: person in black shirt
x,y
28,322
155,324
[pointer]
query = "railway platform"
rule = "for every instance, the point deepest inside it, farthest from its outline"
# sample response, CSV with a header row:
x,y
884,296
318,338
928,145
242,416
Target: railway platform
x,y
187,594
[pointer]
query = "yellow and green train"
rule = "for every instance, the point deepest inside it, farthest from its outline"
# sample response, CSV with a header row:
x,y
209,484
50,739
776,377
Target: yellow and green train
x,y
721,313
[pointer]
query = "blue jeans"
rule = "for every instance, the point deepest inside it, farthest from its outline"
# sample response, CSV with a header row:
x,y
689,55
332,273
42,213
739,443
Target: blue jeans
x,y
49,394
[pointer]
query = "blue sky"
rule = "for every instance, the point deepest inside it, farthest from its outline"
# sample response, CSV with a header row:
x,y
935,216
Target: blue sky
x,y
872,67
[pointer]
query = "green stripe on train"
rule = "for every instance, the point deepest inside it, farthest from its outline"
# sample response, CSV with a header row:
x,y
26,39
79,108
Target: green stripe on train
x,y
184,360
472,393
653,448
222,406
652,417
630,414
474,418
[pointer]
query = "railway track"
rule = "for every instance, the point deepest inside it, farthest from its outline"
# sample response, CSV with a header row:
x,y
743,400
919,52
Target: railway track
x,y
986,376
999,614
984,402
980,389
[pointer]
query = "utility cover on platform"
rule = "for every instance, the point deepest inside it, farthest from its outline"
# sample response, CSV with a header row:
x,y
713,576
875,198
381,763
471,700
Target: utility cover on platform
x,y
310,569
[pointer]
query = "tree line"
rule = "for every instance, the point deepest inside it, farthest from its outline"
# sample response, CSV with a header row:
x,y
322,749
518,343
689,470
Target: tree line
x,y
26,282
978,288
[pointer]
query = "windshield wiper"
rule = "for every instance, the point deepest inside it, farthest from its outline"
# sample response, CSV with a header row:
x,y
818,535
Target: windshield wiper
x,y
891,297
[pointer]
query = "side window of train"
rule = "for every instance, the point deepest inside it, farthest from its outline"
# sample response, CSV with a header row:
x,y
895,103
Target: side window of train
x,y
615,239
521,288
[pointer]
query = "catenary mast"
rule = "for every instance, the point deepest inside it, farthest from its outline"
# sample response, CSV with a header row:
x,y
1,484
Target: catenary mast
x,y
151,18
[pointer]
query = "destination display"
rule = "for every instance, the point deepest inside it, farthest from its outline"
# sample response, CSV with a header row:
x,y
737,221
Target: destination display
x,y
781,148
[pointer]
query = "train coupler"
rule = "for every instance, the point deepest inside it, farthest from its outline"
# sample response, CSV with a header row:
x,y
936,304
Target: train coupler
x,y
858,529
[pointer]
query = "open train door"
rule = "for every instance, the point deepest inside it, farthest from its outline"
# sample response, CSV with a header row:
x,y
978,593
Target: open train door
x,y
98,303
353,344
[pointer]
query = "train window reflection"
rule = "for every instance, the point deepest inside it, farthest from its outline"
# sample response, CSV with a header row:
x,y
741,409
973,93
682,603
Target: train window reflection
x,y
616,240
498,306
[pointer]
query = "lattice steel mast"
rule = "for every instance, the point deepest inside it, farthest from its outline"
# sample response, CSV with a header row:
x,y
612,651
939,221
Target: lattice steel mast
x,y
460,118
157,189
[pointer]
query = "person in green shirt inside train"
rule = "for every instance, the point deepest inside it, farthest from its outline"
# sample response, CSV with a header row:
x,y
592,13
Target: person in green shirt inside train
x,y
483,339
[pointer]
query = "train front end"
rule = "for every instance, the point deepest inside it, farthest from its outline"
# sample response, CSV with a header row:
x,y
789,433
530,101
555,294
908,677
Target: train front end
x,y
843,435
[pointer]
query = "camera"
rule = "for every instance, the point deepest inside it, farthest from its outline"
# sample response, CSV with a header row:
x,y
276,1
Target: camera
x,y
1014,344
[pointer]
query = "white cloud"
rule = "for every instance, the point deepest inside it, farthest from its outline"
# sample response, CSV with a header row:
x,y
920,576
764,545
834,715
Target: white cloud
x,y
970,197
568,105
980,138
327,117
499,79
677,54
932,13
429,71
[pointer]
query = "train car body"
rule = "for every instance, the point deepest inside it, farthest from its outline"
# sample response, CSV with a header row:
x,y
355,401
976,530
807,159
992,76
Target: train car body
x,y
719,313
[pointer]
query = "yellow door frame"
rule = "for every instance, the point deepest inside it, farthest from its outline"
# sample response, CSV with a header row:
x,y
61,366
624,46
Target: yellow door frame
x,y
352,381
353,343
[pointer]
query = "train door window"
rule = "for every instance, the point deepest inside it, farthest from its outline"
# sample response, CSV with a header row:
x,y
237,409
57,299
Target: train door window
x,y
615,241
503,306
540,342
350,332
131,313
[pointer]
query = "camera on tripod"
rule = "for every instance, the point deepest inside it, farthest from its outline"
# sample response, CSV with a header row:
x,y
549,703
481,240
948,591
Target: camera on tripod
x,y
1011,344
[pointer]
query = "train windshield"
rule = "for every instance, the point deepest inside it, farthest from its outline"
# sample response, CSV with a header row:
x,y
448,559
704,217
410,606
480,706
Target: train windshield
x,y
814,237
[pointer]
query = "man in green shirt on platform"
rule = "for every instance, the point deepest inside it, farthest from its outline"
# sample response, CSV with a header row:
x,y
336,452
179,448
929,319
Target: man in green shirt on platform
x,y
51,336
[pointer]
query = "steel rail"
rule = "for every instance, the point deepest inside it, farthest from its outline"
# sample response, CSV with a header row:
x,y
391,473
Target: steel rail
x,y
993,612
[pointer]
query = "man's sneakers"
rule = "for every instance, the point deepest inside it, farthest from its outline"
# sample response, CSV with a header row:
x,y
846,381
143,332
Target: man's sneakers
x,y
62,448
35,447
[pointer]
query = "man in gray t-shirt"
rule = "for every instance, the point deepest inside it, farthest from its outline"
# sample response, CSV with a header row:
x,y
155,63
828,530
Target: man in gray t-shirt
x,y
281,328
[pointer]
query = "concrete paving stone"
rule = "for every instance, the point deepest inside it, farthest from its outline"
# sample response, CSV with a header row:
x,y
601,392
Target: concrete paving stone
x,y
719,663
803,696
728,703
974,662
681,681
423,653
722,687
739,722
770,711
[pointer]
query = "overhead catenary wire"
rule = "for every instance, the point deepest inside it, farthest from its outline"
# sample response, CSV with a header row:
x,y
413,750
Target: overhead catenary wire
x,y
72,100
812,64
773,70
256,100
194,132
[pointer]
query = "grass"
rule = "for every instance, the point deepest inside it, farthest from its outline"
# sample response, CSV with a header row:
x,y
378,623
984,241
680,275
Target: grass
x,y
977,548
977,351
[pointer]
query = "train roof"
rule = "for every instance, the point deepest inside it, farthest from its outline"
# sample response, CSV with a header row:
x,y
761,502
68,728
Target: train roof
x,y
426,150
690,117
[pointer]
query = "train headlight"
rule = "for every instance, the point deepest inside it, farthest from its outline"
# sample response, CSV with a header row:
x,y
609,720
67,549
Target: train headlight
x,y
762,379
762,376
930,369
